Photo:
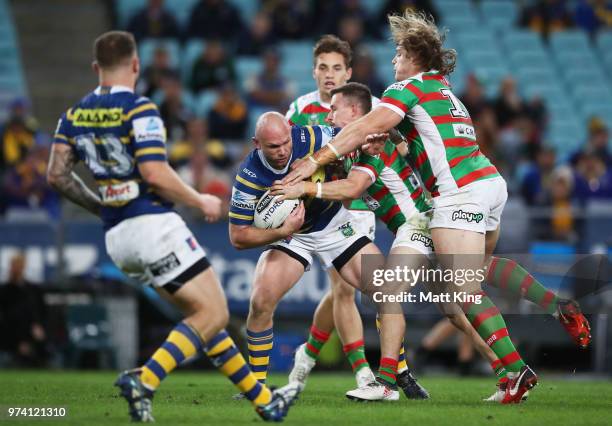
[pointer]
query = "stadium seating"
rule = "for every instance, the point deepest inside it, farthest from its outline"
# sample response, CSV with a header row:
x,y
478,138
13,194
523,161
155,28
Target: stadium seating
x,y
192,50
12,80
146,50
499,15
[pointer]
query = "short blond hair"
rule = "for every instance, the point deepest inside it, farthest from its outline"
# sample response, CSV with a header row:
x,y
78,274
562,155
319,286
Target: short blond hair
x,y
418,34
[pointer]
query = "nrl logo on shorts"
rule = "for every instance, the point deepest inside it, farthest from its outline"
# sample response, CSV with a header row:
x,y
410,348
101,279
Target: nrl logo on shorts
x,y
347,230
424,239
467,216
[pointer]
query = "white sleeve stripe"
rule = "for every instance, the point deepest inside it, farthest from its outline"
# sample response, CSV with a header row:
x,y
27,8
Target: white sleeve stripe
x,y
392,108
366,170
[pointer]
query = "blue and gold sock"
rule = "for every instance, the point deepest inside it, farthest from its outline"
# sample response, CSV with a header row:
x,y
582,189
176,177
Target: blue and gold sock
x,y
260,345
182,343
225,356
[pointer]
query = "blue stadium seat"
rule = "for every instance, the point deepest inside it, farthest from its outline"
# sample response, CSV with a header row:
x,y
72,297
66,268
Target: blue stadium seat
x,y
584,56
204,102
192,50
247,8
373,7
535,75
604,41
181,10
126,9
381,51
597,108
499,15
569,40
522,40
247,67
461,22
533,58
585,91
147,48
550,91
477,39
593,75
297,51
187,98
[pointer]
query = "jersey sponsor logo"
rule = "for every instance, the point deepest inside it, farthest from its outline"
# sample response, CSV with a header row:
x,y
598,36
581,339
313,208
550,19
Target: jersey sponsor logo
x,y
328,131
263,203
398,86
467,216
242,200
370,201
422,238
164,265
303,135
249,173
149,129
464,131
119,193
97,117
346,229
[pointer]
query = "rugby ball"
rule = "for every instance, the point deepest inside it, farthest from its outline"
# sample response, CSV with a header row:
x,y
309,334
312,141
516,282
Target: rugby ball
x,y
270,212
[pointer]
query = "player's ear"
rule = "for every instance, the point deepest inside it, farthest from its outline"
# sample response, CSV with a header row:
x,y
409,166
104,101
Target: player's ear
x,y
95,67
349,73
256,142
136,65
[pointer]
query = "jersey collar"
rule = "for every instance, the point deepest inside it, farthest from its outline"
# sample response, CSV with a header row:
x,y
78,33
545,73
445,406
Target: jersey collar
x,y
267,165
114,89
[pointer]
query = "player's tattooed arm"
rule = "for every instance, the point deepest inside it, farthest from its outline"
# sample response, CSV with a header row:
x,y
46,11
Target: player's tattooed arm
x,y
61,176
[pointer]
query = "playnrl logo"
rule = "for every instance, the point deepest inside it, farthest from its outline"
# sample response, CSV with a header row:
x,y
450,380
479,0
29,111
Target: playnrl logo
x,y
425,240
467,216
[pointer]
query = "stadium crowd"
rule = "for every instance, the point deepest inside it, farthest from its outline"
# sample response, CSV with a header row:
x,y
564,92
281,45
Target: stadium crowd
x,y
207,139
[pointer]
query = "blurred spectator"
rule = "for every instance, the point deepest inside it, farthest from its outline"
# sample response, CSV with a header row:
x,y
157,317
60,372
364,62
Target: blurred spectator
x,y
269,88
291,19
336,11
603,11
228,118
597,143
17,135
151,79
546,16
215,19
364,71
350,29
202,162
213,68
473,97
591,15
257,37
25,186
22,318
593,177
154,21
508,105
536,184
174,110
398,7
562,223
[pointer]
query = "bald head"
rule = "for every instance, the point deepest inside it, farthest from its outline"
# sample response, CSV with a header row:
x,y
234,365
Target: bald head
x,y
270,124
273,138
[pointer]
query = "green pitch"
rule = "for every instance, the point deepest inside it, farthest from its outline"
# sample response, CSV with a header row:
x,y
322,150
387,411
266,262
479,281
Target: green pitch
x,y
205,399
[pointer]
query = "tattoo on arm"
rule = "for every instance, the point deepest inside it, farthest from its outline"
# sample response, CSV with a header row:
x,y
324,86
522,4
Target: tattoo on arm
x,y
63,179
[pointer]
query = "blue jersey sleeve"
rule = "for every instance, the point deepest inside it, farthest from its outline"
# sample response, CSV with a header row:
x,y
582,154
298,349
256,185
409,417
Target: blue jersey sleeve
x,y
62,132
247,190
147,131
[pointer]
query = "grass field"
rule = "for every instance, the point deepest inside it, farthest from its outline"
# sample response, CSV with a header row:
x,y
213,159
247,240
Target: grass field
x,y
205,399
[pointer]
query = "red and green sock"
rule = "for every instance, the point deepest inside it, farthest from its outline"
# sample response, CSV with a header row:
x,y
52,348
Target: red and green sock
x,y
509,276
355,353
490,325
387,372
500,371
316,340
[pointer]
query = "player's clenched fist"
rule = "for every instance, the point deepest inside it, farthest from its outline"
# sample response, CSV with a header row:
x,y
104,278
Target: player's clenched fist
x,y
211,207
295,220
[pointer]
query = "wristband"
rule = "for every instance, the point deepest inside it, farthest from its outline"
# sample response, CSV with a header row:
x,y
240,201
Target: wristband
x,y
319,190
334,150
312,159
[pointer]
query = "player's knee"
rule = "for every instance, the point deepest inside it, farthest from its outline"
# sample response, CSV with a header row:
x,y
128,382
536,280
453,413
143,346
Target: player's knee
x,y
344,293
263,302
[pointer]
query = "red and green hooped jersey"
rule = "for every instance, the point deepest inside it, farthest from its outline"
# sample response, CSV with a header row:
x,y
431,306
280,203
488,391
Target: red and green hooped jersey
x,y
310,110
439,132
395,194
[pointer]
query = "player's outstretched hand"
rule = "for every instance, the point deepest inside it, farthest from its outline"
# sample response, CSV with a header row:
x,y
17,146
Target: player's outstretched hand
x,y
287,192
301,171
295,220
211,207
375,143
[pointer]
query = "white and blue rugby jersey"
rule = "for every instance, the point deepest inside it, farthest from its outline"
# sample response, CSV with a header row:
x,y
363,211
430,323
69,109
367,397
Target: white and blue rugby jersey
x,y
111,130
255,177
